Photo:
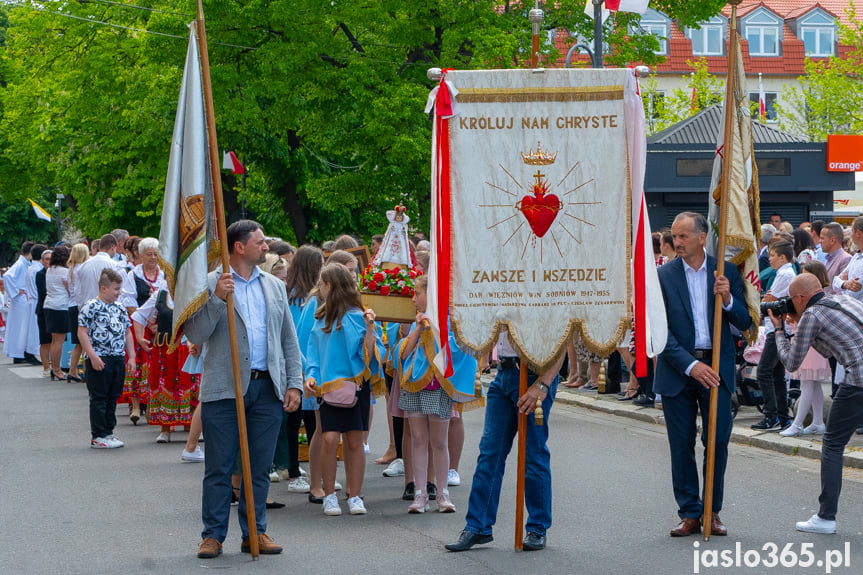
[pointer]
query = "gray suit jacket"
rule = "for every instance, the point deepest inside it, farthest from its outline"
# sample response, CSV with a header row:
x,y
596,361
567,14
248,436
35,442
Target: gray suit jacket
x,y
209,326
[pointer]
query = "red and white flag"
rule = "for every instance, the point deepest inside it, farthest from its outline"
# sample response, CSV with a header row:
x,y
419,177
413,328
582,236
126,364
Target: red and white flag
x,y
651,324
231,162
638,6
762,109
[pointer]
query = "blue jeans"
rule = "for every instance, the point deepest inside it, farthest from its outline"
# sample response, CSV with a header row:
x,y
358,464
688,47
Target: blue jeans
x,y
501,426
219,421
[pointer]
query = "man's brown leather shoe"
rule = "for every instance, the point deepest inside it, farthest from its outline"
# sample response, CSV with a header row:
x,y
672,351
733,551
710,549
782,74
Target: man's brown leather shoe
x,y
209,548
716,526
266,546
686,527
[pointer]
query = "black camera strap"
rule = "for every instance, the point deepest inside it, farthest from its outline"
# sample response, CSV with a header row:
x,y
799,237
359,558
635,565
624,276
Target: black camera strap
x,y
833,304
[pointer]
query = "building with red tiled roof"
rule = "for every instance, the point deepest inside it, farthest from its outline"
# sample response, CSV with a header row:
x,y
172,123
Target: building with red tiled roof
x,y
777,37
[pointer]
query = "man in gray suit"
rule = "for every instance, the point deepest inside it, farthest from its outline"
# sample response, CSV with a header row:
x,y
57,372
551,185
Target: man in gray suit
x,y
271,370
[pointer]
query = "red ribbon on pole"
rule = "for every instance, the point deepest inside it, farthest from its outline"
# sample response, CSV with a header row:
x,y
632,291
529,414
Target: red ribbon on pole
x,y
443,109
640,297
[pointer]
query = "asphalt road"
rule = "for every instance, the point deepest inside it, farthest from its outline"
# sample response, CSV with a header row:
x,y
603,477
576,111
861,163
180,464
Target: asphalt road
x,y
65,508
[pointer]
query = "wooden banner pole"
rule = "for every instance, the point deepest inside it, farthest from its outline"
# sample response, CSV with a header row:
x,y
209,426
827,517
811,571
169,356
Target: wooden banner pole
x,y
520,472
226,267
730,104
535,16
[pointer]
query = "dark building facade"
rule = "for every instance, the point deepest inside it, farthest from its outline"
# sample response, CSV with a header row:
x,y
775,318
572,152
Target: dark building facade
x,y
792,173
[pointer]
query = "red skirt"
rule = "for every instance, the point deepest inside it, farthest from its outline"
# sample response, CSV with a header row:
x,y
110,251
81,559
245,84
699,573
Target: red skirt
x,y
173,393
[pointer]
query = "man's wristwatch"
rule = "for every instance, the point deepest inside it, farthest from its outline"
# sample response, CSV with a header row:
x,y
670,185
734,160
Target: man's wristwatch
x,y
543,387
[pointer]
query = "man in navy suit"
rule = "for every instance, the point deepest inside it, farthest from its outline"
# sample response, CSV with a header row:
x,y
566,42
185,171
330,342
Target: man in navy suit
x,y
684,375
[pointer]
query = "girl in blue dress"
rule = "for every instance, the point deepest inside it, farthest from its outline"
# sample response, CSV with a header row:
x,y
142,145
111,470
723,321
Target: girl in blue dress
x,y
343,364
427,399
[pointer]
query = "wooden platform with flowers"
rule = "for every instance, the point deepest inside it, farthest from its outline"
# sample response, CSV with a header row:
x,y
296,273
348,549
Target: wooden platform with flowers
x,y
389,290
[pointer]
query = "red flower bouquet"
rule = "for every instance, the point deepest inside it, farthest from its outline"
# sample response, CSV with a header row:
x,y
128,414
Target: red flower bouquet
x,y
395,281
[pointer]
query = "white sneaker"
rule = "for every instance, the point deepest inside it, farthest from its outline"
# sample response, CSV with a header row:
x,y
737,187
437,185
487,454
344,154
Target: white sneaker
x,y
298,485
452,478
338,486
814,429
192,456
331,505
164,437
355,504
791,431
303,472
275,477
816,525
114,441
99,443
395,469
366,448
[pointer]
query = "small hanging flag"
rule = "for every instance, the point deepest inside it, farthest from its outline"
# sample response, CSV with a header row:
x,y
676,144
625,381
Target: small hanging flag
x,y
230,162
40,213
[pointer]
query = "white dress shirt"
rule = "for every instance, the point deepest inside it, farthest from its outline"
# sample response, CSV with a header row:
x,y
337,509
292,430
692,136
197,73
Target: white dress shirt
x,y
249,301
699,300
696,282
779,289
87,277
854,271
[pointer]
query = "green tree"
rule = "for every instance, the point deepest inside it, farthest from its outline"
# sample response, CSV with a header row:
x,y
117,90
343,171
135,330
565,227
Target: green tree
x,y
324,100
829,99
702,91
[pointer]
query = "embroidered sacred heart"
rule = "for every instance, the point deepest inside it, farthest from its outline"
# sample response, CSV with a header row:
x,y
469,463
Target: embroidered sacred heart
x,y
540,211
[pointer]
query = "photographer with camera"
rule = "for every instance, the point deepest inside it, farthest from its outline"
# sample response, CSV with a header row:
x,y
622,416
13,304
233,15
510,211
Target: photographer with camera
x,y
833,326
771,374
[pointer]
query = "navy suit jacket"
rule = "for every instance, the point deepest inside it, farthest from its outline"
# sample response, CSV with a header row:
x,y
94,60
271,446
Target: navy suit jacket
x,y
671,364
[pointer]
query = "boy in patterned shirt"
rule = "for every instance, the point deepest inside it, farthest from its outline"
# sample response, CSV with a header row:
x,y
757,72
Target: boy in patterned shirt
x,y
104,330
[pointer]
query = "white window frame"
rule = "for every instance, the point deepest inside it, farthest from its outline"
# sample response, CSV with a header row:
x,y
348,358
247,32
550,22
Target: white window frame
x,y
762,19
805,25
756,96
657,24
715,23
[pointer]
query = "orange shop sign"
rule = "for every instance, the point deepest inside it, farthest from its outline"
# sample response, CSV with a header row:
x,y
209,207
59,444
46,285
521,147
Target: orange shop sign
x,y
844,153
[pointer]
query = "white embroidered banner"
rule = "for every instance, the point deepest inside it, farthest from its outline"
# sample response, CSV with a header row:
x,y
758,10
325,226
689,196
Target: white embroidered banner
x,y
540,217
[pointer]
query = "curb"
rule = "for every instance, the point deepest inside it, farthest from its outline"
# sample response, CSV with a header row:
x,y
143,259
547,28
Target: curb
x,y
740,434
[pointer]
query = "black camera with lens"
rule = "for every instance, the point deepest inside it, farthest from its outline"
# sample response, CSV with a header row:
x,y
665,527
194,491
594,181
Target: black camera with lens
x,y
779,307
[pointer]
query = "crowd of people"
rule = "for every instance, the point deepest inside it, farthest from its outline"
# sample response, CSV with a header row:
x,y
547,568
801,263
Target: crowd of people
x,y
315,362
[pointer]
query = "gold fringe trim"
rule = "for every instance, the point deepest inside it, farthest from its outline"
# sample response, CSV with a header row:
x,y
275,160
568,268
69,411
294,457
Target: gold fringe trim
x,y
427,344
603,349
196,304
170,275
335,384
591,94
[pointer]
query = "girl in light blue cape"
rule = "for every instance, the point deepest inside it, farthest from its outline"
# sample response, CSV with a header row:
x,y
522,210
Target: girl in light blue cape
x,y
427,399
343,357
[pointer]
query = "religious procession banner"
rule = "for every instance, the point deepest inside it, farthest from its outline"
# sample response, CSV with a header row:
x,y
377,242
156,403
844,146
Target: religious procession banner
x,y
743,225
531,201
187,238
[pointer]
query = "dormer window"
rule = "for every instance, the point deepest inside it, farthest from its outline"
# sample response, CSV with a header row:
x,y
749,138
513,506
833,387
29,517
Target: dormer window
x,y
818,32
656,24
709,40
763,31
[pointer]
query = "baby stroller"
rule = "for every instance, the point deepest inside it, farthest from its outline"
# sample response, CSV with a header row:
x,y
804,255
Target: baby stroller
x,y
748,391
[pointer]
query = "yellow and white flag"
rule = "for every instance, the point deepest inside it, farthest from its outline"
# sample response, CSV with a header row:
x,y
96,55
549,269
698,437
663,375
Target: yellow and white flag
x,y
40,213
187,235
743,201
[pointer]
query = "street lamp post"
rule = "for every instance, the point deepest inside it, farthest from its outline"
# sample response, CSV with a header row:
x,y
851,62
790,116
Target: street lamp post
x,y
59,205
597,33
